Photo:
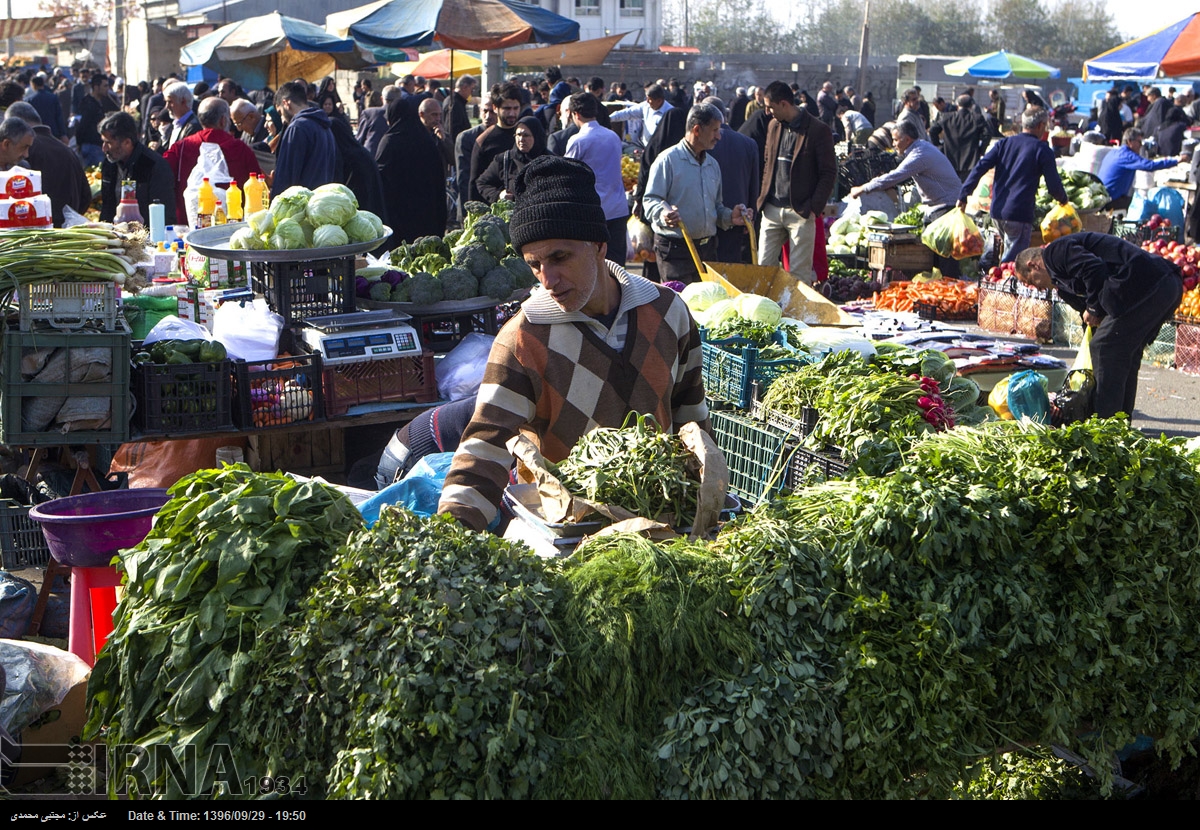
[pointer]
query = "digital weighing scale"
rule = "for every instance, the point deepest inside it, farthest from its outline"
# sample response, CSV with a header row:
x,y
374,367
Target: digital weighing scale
x,y
361,336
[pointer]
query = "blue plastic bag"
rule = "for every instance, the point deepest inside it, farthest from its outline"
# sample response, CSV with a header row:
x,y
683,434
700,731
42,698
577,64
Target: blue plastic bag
x,y
1027,396
1165,201
419,491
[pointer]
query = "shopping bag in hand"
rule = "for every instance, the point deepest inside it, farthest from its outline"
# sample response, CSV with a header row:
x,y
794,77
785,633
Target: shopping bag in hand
x,y
1062,220
954,236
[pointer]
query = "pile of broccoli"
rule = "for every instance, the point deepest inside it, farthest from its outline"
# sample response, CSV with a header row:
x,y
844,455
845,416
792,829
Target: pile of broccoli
x,y
477,261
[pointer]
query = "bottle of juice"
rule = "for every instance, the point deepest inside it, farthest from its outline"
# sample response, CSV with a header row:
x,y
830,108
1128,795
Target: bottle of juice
x,y
207,204
254,194
233,197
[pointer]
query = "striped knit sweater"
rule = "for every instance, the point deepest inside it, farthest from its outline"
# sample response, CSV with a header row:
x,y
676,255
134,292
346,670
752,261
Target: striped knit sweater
x,y
554,376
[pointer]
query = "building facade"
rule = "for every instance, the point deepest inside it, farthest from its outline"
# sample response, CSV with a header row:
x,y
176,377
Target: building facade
x,y
598,18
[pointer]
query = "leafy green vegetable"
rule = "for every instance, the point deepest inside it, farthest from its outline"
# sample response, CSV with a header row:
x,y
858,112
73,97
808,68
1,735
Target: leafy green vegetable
x,y
227,559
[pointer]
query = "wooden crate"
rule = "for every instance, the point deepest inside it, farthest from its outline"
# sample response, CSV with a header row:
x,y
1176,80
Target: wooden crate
x,y
310,452
910,257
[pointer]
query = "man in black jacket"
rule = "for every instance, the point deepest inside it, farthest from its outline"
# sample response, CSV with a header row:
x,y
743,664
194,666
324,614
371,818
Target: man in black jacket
x,y
962,135
127,158
1124,292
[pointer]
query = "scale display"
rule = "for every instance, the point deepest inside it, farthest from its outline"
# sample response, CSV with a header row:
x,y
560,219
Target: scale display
x,y
363,345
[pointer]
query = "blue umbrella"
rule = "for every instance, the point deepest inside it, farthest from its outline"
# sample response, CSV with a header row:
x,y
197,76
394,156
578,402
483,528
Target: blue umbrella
x,y
999,65
456,24
261,51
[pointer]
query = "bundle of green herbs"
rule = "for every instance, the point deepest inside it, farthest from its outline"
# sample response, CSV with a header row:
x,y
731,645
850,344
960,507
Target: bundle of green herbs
x,y
227,559
639,467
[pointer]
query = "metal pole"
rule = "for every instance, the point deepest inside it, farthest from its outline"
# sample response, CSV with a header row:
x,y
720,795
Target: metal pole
x,y
8,41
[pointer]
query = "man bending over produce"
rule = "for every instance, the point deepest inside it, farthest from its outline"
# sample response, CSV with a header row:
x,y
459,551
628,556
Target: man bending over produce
x,y
1125,292
593,344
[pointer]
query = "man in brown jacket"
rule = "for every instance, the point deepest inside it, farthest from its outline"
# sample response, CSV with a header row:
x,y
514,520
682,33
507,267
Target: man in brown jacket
x,y
798,177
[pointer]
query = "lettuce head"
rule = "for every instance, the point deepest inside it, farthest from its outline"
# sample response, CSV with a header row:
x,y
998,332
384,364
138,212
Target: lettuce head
x,y
330,208
329,236
291,203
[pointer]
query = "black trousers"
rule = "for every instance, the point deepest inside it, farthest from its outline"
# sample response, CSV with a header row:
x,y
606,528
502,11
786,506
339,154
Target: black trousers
x,y
675,260
1119,341
618,242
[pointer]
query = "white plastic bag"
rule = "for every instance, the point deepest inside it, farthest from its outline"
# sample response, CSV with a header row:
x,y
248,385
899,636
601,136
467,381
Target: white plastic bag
x,y
249,331
176,328
460,372
210,165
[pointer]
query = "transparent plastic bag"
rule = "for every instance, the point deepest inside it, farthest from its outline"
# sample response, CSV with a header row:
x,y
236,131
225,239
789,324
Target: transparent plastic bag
x,y
460,372
954,236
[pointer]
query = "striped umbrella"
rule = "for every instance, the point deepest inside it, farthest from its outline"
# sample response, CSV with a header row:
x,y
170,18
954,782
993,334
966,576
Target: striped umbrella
x,y
1167,53
999,65
456,24
21,26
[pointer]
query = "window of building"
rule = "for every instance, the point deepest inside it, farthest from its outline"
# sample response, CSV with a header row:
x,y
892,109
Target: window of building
x,y
633,8
587,8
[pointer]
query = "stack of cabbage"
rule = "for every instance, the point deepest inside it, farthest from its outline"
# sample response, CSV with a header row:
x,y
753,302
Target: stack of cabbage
x,y
1084,192
849,233
301,218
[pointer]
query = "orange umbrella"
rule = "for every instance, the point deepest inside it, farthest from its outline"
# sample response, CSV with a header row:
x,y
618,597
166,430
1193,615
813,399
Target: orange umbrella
x,y
438,64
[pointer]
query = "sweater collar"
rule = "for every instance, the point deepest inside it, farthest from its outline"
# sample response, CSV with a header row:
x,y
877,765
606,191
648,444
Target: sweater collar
x,y
541,309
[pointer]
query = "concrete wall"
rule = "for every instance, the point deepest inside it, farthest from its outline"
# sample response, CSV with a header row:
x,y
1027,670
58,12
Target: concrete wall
x,y
151,50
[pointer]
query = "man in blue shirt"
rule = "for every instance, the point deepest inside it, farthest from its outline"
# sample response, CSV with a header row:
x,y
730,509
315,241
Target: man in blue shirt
x,y
1019,161
1118,168
599,148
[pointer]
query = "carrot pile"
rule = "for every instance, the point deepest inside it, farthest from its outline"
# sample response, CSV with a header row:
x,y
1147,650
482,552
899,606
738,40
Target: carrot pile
x,y
950,296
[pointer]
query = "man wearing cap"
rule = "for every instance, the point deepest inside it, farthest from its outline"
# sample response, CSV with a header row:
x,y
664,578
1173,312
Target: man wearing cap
x,y
591,345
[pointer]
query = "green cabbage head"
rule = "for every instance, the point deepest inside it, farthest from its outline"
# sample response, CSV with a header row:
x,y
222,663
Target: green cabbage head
x,y
288,234
291,203
334,187
364,226
329,236
330,208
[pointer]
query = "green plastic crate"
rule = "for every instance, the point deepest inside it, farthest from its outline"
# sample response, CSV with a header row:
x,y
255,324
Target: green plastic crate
x,y
756,453
14,391
730,376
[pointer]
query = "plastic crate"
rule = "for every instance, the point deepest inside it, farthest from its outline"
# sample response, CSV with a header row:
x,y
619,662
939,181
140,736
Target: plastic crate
x,y
805,466
931,311
69,305
378,381
277,393
730,376
1161,352
111,394
22,543
1138,233
1187,348
791,427
191,397
299,290
755,453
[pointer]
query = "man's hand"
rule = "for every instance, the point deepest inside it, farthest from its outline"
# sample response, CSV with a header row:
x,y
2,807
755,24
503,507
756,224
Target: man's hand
x,y
1090,319
742,215
855,192
962,204
670,218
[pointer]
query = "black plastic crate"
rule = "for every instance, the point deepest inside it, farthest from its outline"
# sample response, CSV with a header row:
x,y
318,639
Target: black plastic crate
x,y
22,543
805,466
21,398
182,398
281,392
299,290
931,311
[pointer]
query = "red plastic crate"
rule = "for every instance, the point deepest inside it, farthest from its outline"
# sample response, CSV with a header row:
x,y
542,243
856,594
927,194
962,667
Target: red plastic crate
x,y
379,381
1187,348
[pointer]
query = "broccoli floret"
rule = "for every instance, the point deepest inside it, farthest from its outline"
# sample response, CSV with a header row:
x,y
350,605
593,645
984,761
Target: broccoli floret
x,y
452,239
498,283
430,263
503,208
521,272
430,245
458,284
400,255
424,289
400,292
474,208
476,259
493,233
381,292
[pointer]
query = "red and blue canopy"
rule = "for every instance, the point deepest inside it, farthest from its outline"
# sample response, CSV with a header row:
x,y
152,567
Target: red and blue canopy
x,y
1168,53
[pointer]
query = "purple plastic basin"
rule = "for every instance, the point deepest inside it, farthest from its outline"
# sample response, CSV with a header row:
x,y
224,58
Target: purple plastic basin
x,y
86,531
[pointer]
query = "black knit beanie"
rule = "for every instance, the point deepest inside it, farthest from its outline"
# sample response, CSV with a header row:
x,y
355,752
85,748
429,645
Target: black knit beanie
x,y
556,199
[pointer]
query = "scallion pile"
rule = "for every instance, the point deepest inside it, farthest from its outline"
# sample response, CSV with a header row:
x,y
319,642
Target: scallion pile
x,y
85,252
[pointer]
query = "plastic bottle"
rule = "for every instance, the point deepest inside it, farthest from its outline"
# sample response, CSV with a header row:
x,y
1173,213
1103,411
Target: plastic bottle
x,y
233,197
207,204
254,194
128,210
158,228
